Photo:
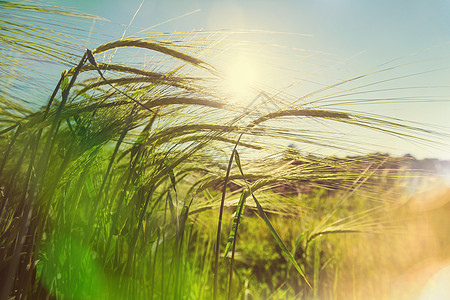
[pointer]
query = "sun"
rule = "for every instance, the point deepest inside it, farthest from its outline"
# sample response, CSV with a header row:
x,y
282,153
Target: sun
x,y
241,75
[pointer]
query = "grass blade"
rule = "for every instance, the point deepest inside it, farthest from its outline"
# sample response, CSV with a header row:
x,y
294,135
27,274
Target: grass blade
x,y
266,220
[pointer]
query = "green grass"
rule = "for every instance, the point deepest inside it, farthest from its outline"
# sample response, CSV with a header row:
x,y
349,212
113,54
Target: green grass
x,y
114,189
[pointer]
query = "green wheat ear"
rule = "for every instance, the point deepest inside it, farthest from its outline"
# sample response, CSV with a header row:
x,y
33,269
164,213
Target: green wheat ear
x,y
236,220
65,82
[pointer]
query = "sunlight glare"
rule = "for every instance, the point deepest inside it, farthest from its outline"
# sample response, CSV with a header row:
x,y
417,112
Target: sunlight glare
x,y
240,77
437,288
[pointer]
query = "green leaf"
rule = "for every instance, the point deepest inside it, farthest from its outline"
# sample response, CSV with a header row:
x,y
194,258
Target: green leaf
x,y
171,206
266,220
280,243
171,175
183,218
90,188
238,161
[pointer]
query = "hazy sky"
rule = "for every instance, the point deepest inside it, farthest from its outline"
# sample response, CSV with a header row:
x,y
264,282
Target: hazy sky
x,y
388,28
343,38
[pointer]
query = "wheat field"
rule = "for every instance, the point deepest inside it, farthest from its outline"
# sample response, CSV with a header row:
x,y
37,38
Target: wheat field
x,y
142,179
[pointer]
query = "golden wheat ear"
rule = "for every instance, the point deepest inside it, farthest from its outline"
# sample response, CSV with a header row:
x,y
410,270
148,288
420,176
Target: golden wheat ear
x,y
150,46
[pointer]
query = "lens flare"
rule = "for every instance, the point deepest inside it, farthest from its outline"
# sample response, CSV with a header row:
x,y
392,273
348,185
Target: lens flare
x,y
240,77
437,288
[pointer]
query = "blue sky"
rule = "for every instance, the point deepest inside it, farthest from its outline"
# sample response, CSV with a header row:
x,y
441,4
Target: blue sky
x,y
344,38
389,28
